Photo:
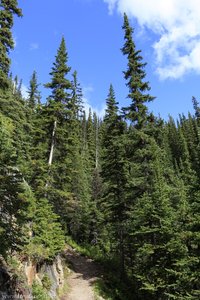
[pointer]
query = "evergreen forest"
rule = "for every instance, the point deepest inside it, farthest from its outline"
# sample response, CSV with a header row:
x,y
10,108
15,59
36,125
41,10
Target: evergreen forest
x,y
126,186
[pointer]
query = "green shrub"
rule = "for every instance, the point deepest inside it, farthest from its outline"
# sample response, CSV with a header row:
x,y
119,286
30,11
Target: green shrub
x,y
38,292
46,282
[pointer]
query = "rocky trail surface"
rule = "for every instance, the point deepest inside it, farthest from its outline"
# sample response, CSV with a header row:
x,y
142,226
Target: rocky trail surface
x,y
84,274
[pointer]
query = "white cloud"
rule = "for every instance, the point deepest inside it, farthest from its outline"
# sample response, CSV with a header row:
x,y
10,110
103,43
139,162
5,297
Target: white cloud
x,y
24,91
177,26
34,46
88,89
15,41
100,111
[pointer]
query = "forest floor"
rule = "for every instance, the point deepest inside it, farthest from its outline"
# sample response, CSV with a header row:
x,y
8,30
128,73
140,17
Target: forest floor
x,y
84,273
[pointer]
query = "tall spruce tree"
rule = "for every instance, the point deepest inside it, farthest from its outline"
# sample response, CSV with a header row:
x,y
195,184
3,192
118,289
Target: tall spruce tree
x,y
58,100
134,75
148,200
139,137
115,176
59,84
8,8
61,118
34,96
51,142
76,98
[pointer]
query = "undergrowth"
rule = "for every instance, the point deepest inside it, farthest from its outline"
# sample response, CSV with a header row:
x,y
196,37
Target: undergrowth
x,y
39,293
93,252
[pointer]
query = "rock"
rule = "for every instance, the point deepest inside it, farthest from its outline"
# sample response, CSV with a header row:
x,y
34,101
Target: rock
x,y
55,273
12,288
30,272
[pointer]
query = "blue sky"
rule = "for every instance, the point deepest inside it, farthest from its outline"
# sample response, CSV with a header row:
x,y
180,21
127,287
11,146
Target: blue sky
x,y
167,32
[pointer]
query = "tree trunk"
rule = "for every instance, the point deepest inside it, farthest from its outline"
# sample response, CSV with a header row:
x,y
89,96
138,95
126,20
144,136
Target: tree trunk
x,y
52,144
51,151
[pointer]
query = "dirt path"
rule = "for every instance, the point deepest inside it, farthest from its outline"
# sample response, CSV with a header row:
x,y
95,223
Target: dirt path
x,y
84,273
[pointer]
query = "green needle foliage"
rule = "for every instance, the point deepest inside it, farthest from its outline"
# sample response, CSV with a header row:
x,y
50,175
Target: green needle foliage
x,y
14,193
59,84
33,92
8,8
47,237
134,75
125,187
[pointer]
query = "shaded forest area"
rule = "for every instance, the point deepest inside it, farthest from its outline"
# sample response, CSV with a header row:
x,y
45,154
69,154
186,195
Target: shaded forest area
x,y
127,185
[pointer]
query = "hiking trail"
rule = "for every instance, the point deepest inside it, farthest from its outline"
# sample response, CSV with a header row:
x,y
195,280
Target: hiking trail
x,y
83,275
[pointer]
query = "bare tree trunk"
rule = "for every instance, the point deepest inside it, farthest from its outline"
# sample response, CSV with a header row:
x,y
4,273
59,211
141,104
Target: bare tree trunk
x,y
51,151
52,144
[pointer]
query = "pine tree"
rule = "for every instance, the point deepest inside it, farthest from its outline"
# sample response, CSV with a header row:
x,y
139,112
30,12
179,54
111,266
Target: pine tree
x,y
139,136
12,106
33,92
8,8
91,142
59,84
58,100
76,98
47,238
115,175
149,215
14,192
196,108
134,75
51,158
65,175
156,234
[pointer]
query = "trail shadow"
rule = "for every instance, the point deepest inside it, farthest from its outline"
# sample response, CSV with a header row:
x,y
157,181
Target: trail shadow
x,y
84,266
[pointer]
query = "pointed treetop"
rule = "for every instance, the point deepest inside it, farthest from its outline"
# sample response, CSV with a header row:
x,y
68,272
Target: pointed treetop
x,y
76,97
34,94
196,107
127,36
112,105
59,84
135,74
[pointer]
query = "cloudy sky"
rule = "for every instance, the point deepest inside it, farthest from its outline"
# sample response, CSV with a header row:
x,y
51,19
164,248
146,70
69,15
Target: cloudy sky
x,y
167,32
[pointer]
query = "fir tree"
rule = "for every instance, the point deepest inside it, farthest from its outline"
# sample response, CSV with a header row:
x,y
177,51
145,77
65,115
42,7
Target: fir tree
x,y
196,108
65,164
47,238
33,92
134,75
59,84
76,98
13,107
14,194
8,8
115,175
149,216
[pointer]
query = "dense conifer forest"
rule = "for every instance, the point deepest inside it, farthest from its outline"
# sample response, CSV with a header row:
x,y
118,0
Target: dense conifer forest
x,y
127,186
